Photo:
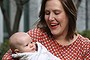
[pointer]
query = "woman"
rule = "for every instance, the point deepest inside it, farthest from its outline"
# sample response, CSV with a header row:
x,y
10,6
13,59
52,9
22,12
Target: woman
x,y
56,30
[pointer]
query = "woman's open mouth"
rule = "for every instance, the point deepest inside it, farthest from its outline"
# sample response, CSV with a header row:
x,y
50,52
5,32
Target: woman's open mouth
x,y
54,25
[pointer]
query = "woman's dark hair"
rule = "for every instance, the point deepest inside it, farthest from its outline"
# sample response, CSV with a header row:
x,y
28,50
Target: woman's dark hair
x,y
70,10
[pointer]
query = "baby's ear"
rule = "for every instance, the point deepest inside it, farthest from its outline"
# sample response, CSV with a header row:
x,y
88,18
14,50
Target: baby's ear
x,y
16,51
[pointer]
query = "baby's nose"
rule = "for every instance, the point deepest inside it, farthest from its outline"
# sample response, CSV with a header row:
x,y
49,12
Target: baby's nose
x,y
31,45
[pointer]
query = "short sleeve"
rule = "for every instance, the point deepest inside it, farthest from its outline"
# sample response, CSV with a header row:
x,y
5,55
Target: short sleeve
x,y
87,53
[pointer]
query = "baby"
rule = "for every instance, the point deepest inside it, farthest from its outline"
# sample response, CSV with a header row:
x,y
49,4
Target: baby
x,y
22,46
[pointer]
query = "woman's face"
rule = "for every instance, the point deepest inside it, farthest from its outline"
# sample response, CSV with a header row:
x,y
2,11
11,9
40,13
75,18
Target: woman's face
x,y
56,17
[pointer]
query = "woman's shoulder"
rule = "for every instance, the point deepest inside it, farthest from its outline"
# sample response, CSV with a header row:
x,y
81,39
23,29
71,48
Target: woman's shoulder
x,y
37,34
36,31
83,40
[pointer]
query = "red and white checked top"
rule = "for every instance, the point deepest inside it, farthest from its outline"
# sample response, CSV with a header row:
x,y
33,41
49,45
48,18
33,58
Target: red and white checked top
x,y
78,50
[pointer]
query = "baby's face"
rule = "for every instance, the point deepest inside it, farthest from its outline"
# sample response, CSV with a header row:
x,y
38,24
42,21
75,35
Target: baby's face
x,y
27,45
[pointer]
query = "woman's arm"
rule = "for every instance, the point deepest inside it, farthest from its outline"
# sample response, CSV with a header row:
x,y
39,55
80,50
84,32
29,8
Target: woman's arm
x,y
33,33
7,55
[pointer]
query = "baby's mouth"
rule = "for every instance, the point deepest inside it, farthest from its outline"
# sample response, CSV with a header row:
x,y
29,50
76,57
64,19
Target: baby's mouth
x,y
36,47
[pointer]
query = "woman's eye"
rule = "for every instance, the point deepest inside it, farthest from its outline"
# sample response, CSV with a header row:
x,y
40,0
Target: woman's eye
x,y
47,12
57,12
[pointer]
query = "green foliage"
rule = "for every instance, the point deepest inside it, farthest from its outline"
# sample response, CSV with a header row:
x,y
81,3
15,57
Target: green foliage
x,y
86,33
4,47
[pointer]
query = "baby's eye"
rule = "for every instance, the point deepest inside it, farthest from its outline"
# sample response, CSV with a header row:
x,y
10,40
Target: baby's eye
x,y
26,44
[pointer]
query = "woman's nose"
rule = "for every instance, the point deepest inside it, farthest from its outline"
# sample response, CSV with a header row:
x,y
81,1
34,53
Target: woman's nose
x,y
51,17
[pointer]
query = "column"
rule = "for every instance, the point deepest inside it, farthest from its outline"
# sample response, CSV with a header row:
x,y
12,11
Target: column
x,y
1,27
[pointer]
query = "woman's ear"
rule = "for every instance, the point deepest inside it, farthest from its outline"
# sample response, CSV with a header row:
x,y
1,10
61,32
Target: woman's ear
x,y
16,51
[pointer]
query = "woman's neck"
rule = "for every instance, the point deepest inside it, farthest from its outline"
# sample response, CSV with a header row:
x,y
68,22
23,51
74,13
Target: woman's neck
x,y
63,41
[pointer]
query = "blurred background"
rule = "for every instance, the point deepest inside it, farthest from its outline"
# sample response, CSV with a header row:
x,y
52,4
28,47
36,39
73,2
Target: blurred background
x,y
21,15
